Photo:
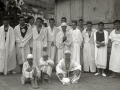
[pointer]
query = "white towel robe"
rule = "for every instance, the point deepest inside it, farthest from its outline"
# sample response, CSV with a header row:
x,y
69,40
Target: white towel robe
x,y
22,44
61,68
89,51
62,46
46,68
114,64
26,74
76,44
39,41
101,53
7,50
51,37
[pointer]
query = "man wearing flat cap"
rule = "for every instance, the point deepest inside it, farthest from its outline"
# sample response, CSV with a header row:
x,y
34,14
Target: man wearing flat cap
x,y
67,70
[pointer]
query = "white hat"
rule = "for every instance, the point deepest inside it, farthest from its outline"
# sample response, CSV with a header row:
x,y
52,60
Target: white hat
x,y
67,51
29,56
63,24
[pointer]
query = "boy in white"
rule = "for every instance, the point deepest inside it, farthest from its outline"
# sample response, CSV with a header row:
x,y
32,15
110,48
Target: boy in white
x,y
46,65
76,42
30,72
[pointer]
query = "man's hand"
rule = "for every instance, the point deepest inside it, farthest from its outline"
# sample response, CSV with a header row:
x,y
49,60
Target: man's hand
x,y
45,49
102,44
60,75
52,44
98,45
64,38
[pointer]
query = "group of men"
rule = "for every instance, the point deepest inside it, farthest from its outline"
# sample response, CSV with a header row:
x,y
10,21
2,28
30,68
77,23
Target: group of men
x,y
39,49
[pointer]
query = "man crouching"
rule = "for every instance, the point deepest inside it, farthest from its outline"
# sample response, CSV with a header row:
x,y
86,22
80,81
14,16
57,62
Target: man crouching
x,y
67,70
46,65
30,72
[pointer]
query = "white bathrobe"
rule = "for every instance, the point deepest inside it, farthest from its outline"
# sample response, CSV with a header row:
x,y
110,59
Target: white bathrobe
x,y
46,66
39,41
62,46
114,64
26,75
51,37
22,44
61,68
7,50
89,51
76,44
101,53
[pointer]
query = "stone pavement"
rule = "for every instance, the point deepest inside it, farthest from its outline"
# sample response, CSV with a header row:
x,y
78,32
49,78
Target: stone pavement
x,y
87,82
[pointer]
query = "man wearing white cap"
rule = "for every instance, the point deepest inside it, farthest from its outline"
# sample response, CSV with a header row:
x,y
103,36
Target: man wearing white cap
x,y
30,72
46,65
67,70
63,41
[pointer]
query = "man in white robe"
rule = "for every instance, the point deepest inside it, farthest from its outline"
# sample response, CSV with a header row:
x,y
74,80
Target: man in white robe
x,y
63,41
76,42
64,20
52,32
67,70
114,64
7,47
46,64
39,40
30,72
89,48
81,28
101,41
23,37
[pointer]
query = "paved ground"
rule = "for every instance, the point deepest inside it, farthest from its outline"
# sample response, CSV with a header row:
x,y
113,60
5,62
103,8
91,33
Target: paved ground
x,y
86,82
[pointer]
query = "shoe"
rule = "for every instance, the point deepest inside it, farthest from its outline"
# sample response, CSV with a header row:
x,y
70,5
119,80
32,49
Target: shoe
x,y
104,75
97,74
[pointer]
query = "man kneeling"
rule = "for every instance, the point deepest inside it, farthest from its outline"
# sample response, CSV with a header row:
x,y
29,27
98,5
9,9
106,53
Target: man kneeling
x,y
46,65
67,70
30,72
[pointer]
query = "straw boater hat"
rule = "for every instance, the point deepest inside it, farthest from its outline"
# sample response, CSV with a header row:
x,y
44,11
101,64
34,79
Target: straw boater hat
x,y
29,56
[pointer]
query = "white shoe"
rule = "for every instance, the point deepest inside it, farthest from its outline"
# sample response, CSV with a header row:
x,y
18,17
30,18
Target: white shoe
x,y
104,75
97,74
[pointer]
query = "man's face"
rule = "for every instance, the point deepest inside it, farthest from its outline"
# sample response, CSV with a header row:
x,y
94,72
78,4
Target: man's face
x,y
45,57
89,26
80,23
67,56
74,25
22,21
64,28
31,21
52,23
63,21
117,25
30,60
39,22
101,27
5,22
